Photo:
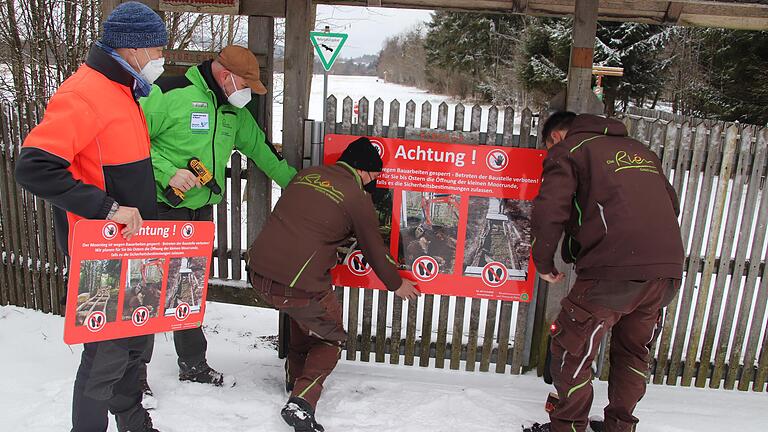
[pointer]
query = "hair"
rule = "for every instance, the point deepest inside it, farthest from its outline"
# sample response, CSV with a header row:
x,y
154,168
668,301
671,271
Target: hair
x,y
561,120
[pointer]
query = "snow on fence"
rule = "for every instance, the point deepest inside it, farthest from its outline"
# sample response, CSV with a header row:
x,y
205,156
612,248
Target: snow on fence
x,y
718,319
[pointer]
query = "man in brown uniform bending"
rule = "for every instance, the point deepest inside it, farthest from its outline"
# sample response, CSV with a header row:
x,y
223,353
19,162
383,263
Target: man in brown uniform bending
x,y
291,259
619,214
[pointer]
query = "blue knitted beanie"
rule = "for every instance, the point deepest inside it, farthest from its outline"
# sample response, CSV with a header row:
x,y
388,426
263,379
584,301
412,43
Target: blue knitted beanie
x,y
134,25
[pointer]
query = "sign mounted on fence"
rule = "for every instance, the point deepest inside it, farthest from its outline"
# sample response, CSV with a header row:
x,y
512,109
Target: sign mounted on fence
x,y
328,46
225,7
457,218
155,282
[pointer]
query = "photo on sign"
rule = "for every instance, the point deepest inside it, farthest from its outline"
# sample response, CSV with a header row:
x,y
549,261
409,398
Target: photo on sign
x,y
143,286
428,227
498,230
382,202
186,278
99,289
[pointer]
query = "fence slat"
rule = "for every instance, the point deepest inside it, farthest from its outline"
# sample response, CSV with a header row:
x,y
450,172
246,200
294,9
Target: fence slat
x,y
744,239
362,118
394,341
352,312
474,323
762,367
729,153
523,315
442,116
5,213
683,158
48,289
477,113
221,239
488,335
509,127
410,332
458,332
493,121
758,313
237,216
381,326
346,117
442,332
426,329
331,105
22,291
684,298
689,200
410,114
365,336
670,151
505,324
378,117
525,128
458,118
658,128
394,118
426,115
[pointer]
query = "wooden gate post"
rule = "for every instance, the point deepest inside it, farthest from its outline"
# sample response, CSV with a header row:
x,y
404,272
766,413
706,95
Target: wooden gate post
x,y
579,93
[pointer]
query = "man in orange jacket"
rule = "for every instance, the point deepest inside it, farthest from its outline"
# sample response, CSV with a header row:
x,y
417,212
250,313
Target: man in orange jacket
x,y
89,157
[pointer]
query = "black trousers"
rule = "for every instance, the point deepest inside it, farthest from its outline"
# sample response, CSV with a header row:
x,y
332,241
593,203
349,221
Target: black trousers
x,y
108,380
191,344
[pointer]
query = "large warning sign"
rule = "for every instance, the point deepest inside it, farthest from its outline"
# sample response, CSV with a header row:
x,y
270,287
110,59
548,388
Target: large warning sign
x,y
457,218
156,282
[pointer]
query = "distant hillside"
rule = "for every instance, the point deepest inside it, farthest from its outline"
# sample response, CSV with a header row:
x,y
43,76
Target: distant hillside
x,y
364,66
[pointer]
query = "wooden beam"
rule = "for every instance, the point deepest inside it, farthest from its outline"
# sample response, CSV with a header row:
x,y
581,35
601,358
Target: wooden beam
x,y
374,3
299,21
673,13
269,8
261,31
579,92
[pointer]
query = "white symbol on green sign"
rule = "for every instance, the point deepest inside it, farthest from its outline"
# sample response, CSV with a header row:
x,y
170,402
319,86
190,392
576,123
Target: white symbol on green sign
x,y
328,46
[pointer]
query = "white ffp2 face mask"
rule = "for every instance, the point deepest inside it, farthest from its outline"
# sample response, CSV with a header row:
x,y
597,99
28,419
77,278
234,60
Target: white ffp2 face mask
x,y
153,69
239,98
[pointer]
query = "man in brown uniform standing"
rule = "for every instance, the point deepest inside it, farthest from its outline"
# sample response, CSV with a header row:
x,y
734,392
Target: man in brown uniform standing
x,y
291,259
619,214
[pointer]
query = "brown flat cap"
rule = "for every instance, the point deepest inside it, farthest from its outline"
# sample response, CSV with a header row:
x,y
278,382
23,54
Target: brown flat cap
x,y
241,62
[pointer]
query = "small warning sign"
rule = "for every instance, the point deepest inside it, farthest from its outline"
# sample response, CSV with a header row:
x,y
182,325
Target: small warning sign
x,y
328,46
425,268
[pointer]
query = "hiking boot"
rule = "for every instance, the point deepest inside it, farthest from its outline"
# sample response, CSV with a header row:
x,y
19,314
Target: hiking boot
x,y
148,400
145,426
536,427
300,415
203,374
596,425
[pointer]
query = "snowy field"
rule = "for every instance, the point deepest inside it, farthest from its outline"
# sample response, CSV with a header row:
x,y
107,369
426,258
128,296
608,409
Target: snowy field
x,y
39,370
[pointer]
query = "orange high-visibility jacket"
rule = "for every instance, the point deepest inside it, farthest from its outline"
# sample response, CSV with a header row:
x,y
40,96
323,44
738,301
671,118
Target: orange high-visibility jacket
x,y
91,149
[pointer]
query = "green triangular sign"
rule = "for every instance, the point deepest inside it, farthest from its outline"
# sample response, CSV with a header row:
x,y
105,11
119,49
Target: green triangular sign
x,y
328,46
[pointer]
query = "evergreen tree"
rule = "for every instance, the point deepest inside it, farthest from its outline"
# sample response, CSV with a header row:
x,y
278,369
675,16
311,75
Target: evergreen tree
x,y
735,64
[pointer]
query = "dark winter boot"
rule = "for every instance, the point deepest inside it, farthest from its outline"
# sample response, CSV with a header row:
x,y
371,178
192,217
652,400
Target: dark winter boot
x,y
142,425
202,373
299,414
596,425
148,400
536,427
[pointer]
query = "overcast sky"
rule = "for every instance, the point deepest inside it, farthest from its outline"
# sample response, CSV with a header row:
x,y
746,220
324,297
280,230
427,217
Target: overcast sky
x,y
367,27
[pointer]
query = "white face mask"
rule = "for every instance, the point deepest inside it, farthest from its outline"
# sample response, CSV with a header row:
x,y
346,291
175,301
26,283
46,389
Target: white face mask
x,y
239,98
153,69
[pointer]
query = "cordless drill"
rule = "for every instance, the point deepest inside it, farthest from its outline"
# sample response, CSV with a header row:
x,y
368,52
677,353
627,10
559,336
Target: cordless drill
x,y
176,196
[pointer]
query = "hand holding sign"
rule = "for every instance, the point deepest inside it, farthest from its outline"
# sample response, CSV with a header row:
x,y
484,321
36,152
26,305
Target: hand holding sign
x,y
408,290
131,218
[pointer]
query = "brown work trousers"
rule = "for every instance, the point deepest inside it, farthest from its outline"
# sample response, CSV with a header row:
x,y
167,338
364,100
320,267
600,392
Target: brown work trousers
x,y
633,311
316,336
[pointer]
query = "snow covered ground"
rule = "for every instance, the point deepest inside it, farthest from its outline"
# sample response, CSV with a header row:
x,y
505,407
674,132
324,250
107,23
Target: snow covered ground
x,y
39,369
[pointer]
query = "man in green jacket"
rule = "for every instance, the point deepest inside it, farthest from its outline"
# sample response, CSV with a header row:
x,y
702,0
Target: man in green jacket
x,y
202,115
